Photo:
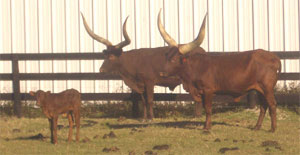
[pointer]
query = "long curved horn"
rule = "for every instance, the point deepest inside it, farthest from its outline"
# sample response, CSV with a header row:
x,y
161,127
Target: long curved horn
x,y
190,46
167,38
93,35
127,39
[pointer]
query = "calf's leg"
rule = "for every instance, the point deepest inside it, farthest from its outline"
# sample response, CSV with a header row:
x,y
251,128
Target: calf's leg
x,y
51,129
54,120
70,126
77,121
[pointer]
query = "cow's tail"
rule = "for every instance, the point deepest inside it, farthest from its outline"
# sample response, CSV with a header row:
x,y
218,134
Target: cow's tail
x,y
279,67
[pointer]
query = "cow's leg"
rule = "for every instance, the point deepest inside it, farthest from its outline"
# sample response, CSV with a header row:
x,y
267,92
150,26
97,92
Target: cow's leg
x,y
198,108
269,95
198,105
208,109
263,109
144,105
70,126
54,120
51,129
149,91
77,121
189,87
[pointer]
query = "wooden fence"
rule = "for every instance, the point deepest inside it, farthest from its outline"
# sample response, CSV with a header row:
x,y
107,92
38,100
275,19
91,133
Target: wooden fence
x,y
15,77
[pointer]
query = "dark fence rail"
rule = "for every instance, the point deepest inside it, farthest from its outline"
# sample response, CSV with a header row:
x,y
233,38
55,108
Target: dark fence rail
x,y
15,76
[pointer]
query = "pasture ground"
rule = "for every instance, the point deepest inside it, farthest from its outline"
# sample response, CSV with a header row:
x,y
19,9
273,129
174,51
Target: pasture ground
x,y
230,134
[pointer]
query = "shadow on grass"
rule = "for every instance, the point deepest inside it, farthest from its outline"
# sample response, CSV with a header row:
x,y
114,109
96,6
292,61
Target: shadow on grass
x,y
35,137
88,123
179,124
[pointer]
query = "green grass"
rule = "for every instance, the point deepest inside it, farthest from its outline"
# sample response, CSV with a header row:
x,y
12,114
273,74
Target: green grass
x,y
183,135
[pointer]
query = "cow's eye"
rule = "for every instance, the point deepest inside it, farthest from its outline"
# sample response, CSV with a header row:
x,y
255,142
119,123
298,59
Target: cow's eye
x,y
111,57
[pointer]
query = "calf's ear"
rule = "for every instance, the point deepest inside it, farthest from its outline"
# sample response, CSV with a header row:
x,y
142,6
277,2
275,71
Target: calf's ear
x,y
48,92
32,93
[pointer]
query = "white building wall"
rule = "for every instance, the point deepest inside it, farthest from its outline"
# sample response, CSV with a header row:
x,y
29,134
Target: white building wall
x,y
55,26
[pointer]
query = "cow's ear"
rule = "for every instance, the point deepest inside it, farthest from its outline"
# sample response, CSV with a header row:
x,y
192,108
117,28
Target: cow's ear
x,y
32,93
184,60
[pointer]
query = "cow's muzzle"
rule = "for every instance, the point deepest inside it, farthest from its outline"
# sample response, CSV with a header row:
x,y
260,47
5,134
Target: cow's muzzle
x,y
101,70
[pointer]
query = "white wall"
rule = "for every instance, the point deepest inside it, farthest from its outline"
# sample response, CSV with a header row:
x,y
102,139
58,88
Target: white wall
x,y
55,26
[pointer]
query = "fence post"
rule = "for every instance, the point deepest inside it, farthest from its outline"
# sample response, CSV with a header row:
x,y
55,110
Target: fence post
x,y
251,99
16,87
135,104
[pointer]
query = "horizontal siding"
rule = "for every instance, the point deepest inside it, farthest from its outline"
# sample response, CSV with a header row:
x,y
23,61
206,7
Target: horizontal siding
x,y
55,26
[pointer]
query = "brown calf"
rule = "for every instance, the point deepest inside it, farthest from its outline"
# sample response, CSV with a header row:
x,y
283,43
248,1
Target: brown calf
x,y
53,105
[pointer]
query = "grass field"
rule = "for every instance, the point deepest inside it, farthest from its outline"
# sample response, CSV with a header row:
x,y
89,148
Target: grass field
x,y
230,134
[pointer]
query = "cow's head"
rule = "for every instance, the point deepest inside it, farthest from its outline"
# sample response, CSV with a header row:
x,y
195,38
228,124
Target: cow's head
x,y
112,52
176,56
40,96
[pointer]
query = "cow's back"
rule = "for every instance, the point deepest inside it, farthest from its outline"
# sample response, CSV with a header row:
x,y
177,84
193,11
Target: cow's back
x,y
65,101
148,63
236,71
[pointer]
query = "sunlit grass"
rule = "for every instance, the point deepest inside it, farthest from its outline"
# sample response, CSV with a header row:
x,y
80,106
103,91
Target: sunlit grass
x,y
183,135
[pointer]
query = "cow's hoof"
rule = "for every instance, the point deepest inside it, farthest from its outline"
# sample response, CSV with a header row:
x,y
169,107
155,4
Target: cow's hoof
x,y
206,128
149,120
142,120
256,128
206,132
272,130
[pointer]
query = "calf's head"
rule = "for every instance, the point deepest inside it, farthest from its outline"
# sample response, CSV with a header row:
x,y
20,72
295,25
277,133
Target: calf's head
x,y
176,56
40,96
112,52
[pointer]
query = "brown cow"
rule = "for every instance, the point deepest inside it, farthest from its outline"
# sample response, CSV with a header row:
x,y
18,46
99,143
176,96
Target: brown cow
x,y
53,105
139,68
230,74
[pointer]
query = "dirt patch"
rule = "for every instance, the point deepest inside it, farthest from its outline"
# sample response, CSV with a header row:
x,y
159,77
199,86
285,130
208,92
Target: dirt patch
x,y
60,127
224,149
121,119
110,135
271,143
161,147
96,136
150,153
16,130
112,149
235,141
133,130
131,153
85,140
217,140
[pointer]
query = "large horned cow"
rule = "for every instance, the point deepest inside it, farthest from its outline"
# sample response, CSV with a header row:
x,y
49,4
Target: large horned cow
x,y
139,68
230,74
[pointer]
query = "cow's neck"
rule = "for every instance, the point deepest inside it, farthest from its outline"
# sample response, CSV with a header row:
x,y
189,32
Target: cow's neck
x,y
184,73
125,72
128,74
